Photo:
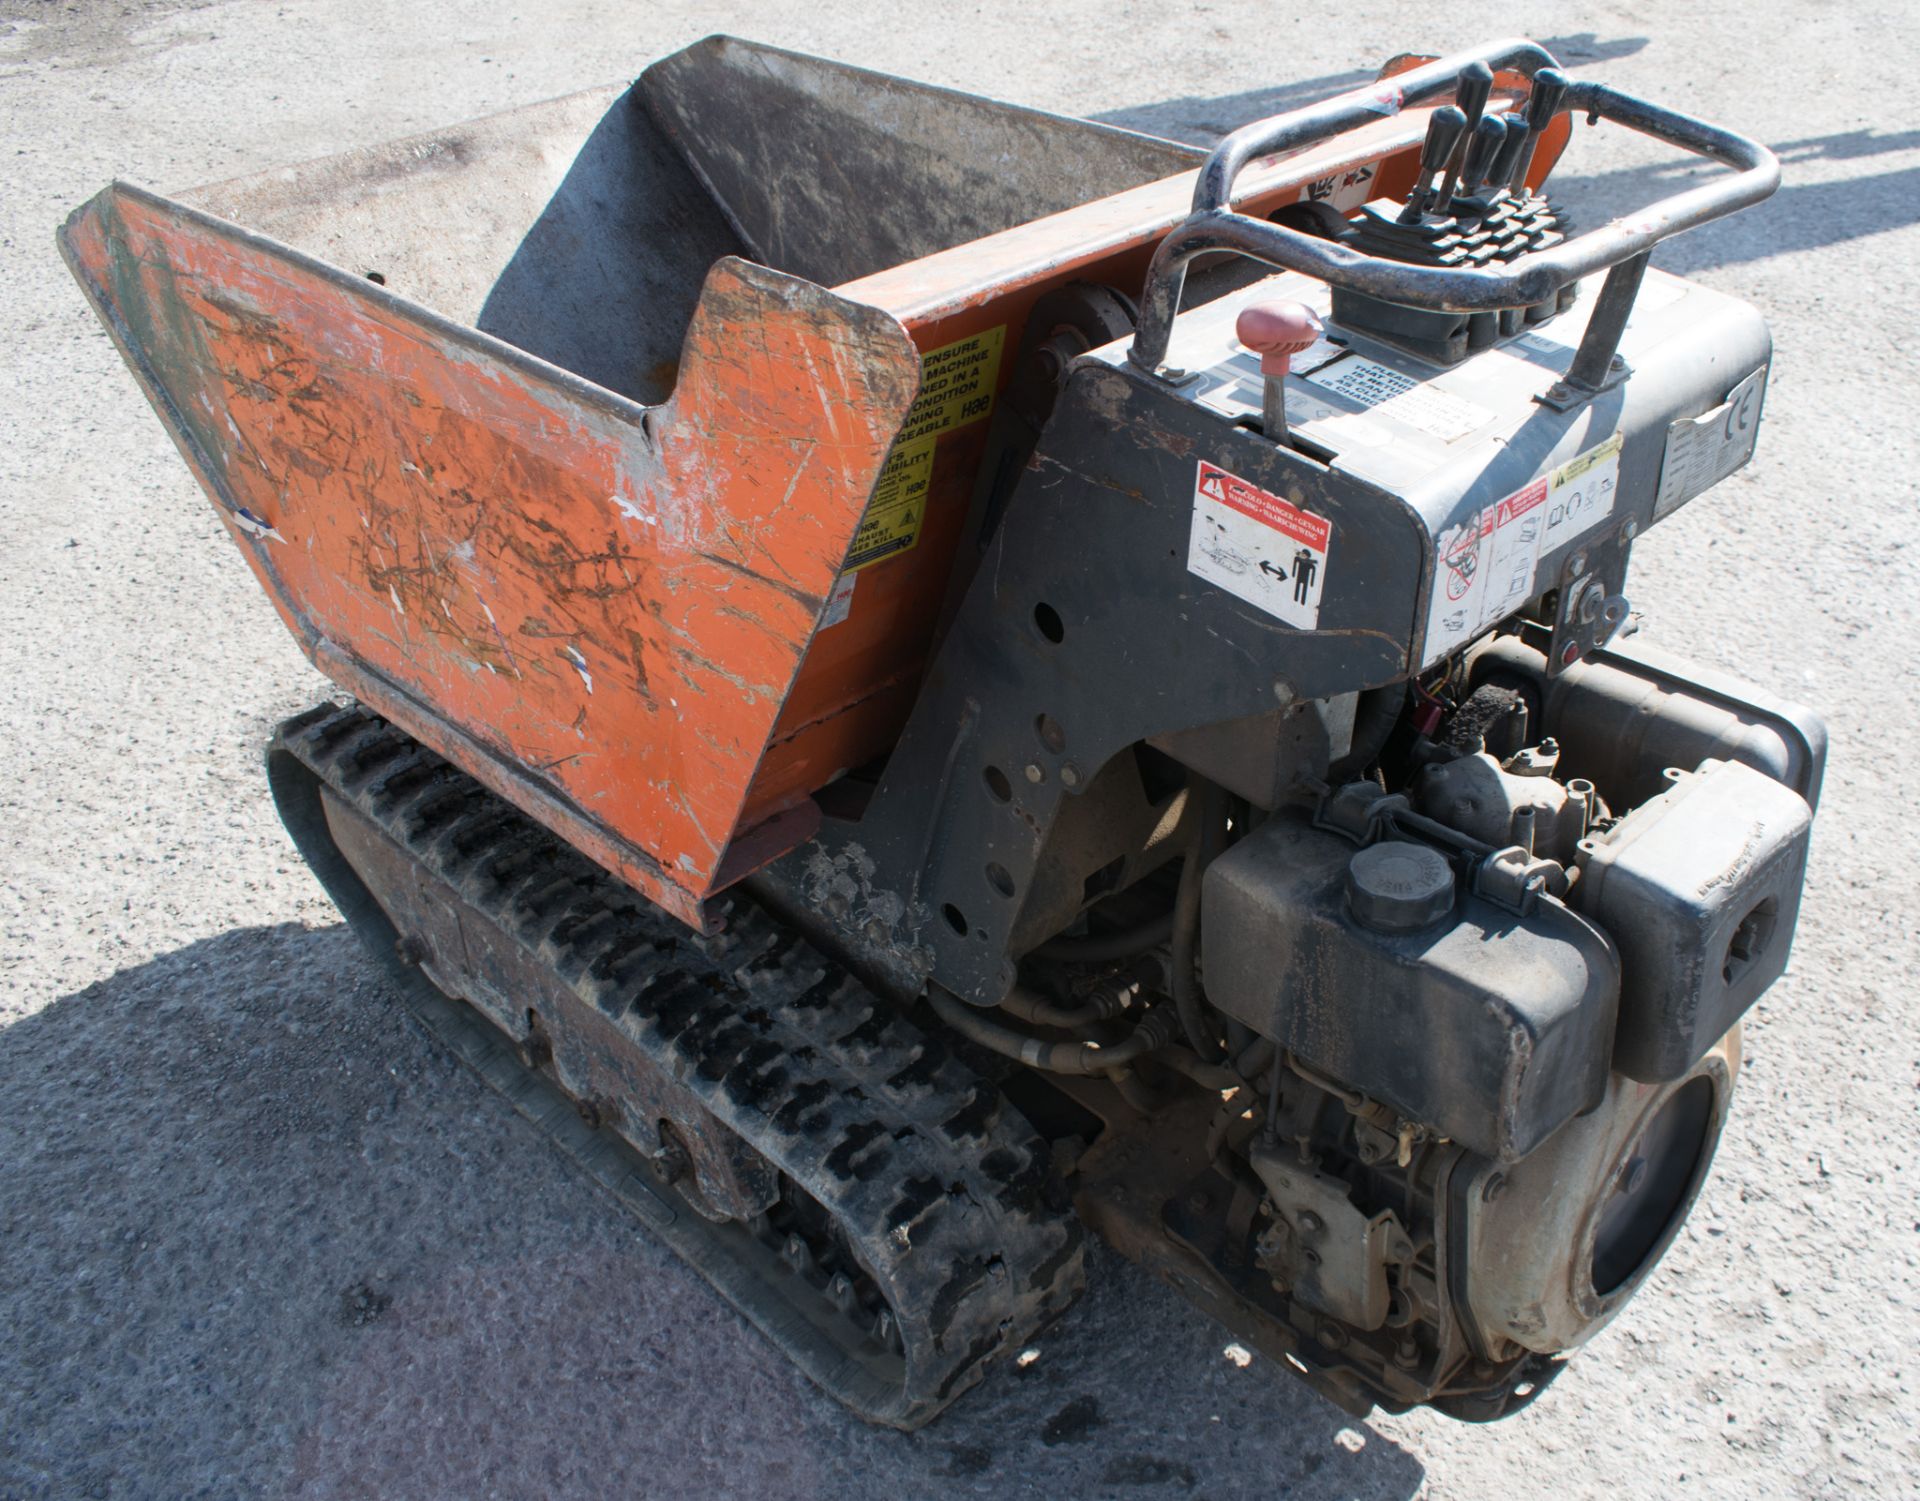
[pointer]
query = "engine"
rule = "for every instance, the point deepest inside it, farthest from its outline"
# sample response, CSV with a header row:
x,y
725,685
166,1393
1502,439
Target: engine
x,y
1476,949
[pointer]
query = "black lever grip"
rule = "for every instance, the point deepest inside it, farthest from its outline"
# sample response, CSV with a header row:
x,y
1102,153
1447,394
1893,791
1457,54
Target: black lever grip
x,y
1549,90
1501,172
1488,137
1444,128
1472,91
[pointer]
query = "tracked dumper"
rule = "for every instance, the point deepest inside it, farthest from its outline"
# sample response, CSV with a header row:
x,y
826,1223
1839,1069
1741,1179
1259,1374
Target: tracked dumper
x,y
921,676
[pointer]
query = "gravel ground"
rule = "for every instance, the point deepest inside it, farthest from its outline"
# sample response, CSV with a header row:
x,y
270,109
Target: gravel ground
x,y
258,1237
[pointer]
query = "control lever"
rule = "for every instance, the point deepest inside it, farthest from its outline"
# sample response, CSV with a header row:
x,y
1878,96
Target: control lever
x,y
1471,94
1276,331
1500,174
1488,137
1549,89
1444,128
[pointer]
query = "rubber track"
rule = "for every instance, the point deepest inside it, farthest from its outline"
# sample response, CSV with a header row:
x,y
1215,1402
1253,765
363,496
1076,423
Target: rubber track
x,y
935,1180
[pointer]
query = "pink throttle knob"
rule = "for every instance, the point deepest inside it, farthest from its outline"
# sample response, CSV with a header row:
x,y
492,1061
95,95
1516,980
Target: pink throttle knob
x,y
1277,331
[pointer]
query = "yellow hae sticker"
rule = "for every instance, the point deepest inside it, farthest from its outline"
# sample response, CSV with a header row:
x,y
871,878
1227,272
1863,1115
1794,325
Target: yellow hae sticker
x,y
956,387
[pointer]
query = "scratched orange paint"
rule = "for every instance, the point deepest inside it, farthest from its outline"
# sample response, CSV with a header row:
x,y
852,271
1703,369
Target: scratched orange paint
x,y
615,599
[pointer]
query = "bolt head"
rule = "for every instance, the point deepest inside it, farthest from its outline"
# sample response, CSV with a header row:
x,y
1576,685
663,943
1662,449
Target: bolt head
x,y
1070,775
1036,773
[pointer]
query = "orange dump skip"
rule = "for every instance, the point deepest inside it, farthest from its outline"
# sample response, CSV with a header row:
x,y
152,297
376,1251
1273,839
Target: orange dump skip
x,y
598,607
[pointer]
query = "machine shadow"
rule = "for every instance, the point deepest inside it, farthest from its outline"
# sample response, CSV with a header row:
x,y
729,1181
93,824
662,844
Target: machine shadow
x,y
1801,216
261,1230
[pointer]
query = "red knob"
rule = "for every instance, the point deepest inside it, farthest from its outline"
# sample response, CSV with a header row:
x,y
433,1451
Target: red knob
x,y
1277,331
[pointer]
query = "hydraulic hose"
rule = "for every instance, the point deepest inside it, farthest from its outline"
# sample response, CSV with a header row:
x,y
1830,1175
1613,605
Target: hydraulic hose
x,y
1373,720
1206,1075
1156,1030
1104,946
1210,818
1133,1089
1255,1060
1031,1007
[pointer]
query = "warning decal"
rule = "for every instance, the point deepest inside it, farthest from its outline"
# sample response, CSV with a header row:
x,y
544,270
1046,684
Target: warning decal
x,y
1485,566
956,387
1258,546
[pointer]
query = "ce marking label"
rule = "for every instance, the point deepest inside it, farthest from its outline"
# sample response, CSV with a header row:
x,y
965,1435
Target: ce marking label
x,y
1702,451
1743,407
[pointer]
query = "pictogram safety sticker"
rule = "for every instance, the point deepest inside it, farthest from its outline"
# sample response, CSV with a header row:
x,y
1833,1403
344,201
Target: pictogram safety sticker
x,y
1258,546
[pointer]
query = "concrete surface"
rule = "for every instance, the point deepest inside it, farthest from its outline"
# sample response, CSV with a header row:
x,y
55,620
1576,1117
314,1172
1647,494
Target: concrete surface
x,y
257,1237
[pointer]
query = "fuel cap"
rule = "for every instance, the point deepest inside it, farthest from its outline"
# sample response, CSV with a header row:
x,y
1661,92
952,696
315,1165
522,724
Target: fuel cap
x,y
1398,886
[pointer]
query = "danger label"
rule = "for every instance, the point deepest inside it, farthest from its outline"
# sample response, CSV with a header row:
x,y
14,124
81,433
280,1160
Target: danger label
x,y
1258,546
957,383
1486,567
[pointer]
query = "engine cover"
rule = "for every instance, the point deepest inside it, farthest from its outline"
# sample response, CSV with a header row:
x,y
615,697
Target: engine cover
x,y
1491,1028
1702,885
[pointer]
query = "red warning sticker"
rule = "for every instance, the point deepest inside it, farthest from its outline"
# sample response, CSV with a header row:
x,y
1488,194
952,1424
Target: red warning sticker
x,y
1258,546
1486,565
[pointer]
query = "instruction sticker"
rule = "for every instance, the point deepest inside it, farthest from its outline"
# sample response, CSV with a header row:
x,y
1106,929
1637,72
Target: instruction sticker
x,y
1397,394
957,383
1702,451
1258,546
1485,567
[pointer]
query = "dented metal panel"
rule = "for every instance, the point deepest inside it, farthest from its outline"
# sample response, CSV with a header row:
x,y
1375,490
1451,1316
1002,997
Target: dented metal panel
x,y
601,605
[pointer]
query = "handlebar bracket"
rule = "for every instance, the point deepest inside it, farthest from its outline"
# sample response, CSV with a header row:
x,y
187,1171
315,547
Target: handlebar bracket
x,y
1620,247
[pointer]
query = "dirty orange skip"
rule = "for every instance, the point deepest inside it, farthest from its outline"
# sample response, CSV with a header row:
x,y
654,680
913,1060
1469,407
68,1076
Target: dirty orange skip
x,y
598,608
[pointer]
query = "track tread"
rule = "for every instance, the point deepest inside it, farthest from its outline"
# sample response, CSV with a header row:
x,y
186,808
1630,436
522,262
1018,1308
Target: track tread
x,y
934,1180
